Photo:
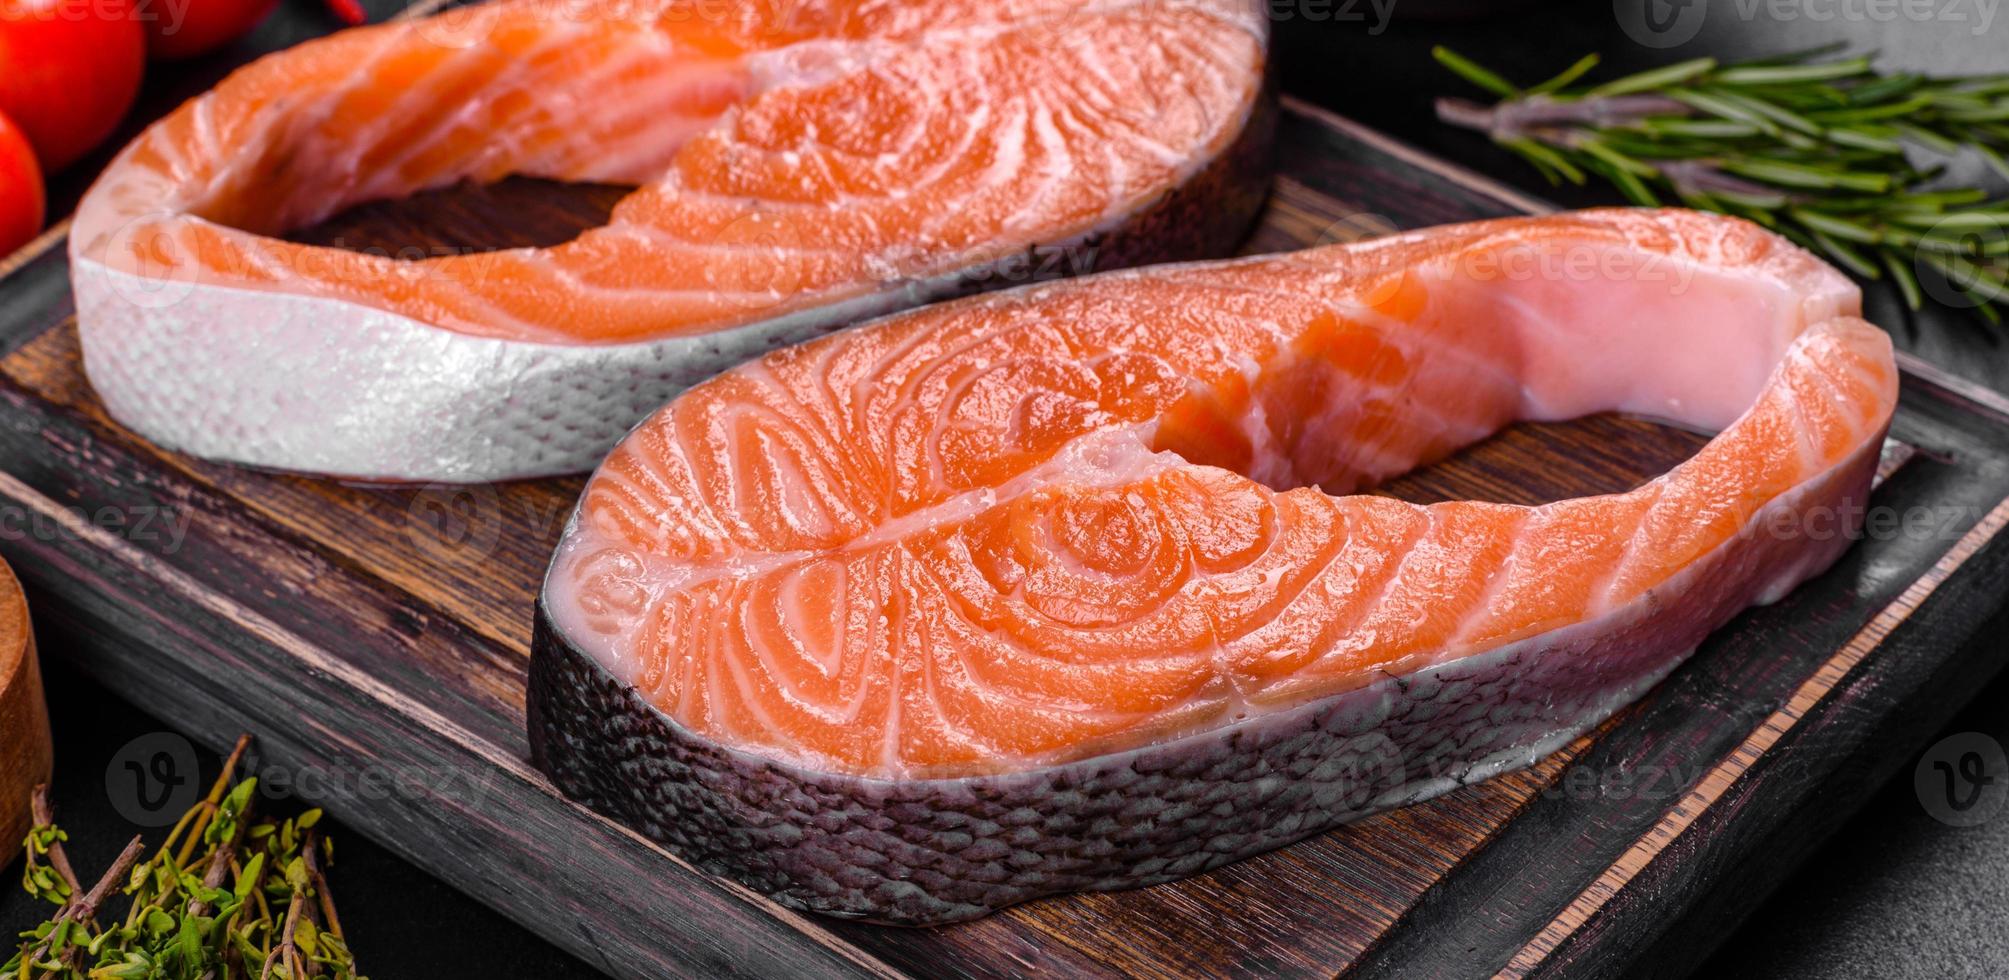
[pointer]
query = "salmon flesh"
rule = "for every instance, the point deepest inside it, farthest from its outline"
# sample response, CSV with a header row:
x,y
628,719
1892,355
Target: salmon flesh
x,y
803,164
1070,587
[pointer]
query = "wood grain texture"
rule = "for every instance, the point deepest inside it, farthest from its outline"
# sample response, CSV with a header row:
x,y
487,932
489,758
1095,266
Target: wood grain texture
x,y
24,720
364,630
1763,742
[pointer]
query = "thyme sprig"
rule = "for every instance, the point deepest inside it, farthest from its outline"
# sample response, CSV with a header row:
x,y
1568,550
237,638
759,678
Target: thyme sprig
x,y
1808,144
260,907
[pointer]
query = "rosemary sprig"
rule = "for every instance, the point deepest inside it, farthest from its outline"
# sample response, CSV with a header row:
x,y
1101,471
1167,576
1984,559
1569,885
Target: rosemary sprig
x,y
1808,144
261,908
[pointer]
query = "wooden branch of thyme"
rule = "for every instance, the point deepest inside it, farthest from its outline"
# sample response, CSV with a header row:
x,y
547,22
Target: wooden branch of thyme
x,y
44,816
220,861
1817,148
81,914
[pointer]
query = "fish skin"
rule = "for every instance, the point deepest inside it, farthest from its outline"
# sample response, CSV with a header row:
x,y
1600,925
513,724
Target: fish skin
x,y
325,377
259,378
628,718
930,852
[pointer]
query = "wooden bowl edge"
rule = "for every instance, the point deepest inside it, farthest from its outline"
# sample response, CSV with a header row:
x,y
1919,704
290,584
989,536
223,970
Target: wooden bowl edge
x,y
26,758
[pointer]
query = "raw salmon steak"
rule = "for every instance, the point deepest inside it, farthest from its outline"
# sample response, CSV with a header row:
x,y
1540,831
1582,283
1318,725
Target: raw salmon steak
x,y
1069,587
802,164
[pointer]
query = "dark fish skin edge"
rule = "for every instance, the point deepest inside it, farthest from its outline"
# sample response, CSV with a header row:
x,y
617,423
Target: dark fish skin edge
x,y
937,851
923,852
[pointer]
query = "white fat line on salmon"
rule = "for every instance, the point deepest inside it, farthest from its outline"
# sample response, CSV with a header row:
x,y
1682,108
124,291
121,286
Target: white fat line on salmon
x,y
1227,699
1102,459
1765,516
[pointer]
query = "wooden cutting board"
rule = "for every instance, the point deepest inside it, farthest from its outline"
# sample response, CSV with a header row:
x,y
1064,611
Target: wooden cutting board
x,y
376,638
24,721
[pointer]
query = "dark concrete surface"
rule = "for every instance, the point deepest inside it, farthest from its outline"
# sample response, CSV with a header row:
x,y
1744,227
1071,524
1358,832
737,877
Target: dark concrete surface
x,y
1897,893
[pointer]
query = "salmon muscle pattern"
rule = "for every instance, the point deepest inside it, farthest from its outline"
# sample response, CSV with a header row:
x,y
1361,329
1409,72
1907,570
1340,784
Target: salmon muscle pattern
x,y
802,164
1067,588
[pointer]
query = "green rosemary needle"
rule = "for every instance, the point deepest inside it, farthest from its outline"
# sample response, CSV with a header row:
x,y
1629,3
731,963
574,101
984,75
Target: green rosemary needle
x,y
1813,146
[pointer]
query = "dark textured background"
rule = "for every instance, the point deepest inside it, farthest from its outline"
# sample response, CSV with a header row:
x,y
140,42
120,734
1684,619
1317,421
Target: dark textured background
x,y
1895,894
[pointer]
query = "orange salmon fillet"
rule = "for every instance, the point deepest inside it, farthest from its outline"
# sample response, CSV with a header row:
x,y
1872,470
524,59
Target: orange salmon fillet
x,y
1050,524
791,154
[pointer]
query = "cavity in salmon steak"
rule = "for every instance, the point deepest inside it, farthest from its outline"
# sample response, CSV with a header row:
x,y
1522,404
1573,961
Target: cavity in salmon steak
x,y
803,164
1068,587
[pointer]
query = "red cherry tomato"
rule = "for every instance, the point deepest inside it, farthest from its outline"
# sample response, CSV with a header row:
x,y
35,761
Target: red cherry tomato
x,y
20,189
68,72
191,28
